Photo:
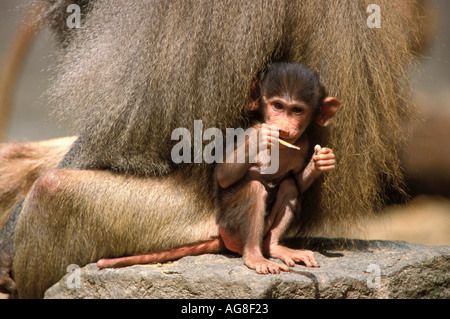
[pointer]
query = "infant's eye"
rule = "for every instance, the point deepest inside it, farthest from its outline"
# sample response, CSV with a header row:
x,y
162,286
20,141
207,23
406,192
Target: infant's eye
x,y
278,106
297,110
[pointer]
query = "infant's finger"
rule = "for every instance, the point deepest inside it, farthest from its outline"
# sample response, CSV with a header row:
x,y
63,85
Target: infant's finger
x,y
271,130
275,132
317,149
323,163
326,168
325,150
321,157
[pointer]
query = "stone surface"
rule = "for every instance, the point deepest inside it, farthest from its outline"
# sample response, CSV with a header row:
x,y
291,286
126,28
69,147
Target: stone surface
x,y
357,269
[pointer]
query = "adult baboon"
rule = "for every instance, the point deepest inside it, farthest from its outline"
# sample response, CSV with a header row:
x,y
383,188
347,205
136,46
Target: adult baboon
x,y
139,69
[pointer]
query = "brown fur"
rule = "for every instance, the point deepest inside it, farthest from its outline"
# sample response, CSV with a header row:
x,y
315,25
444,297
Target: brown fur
x,y
140,69
370,81
105,222
21,164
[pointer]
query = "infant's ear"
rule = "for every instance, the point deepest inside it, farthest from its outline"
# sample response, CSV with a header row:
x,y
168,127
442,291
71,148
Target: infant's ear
x,y
329,109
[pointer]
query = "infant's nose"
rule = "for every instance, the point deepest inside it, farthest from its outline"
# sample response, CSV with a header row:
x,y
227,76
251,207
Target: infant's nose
x,y
284,134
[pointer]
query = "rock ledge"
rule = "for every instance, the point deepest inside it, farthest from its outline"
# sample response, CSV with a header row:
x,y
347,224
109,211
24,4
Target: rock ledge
x,y
348,269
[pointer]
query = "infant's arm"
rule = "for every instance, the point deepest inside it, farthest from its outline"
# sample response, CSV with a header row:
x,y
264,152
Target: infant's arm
x,y
322,161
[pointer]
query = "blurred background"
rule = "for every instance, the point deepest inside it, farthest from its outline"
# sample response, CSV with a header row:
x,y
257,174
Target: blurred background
x,y
426,159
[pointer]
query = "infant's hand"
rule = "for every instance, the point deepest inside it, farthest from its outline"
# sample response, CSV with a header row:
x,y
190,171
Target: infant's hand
x,y
323,159
267,137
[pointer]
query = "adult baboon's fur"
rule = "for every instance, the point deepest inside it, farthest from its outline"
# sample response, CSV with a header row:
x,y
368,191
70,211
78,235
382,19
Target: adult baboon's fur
x,y
22,164
139,69
197,64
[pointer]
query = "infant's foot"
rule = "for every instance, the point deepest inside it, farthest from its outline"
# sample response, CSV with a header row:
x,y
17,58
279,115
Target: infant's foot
x,y
292,256
264,266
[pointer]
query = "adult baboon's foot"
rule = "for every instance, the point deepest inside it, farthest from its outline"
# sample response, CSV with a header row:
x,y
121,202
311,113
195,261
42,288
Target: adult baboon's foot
x,y
7,284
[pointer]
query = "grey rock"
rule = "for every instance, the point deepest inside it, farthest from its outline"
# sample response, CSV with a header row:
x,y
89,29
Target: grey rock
x,y
348,269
